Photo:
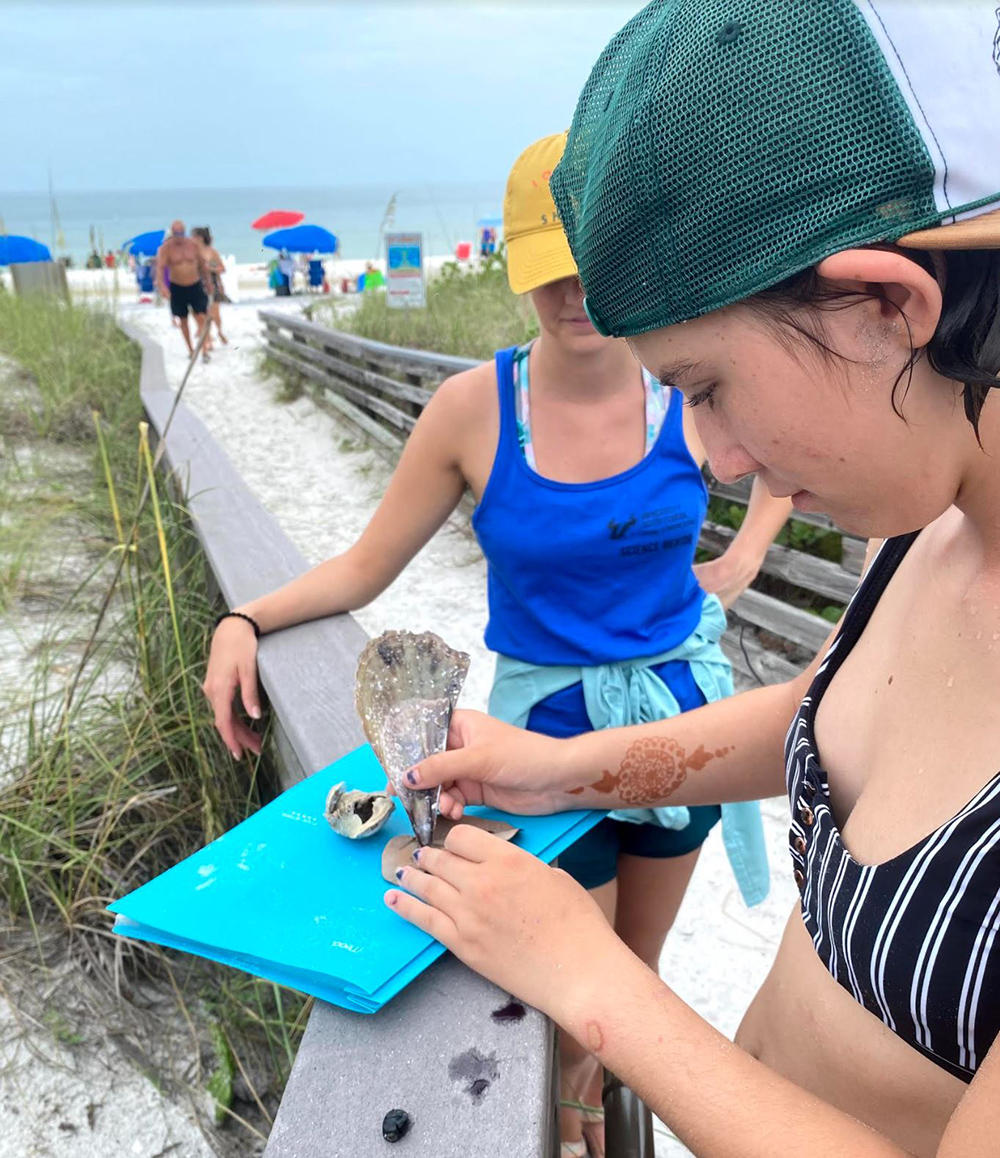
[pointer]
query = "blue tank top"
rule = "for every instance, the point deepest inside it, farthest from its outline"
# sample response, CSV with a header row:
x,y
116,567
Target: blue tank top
x,y
596,572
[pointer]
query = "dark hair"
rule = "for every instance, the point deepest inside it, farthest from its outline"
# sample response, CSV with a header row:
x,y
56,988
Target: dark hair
x,y
966,344
204,233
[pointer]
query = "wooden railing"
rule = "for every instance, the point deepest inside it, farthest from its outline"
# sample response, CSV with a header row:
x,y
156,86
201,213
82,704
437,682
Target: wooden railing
x,y
351,1068
380,390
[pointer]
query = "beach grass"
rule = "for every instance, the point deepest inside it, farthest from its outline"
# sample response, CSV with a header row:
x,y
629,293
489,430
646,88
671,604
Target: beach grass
x,y
128,778
470,312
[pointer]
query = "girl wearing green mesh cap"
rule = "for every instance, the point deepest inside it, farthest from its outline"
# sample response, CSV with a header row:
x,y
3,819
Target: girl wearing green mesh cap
x,y
789,209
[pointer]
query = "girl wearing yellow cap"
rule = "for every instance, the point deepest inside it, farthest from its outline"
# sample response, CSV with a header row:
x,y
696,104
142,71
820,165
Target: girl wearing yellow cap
x,y
590,500
790,211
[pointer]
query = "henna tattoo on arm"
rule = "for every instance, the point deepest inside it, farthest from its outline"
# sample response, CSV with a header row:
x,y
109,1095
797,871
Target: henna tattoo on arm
x,y
652,770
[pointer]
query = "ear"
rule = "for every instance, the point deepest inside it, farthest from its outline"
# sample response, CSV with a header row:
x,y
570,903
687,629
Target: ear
x,y
907,285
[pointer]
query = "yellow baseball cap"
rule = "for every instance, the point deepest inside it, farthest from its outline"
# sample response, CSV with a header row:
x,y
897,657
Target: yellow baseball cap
x,y
537,249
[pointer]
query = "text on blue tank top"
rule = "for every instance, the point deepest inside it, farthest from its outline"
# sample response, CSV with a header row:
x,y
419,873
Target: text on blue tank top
x,y
590,573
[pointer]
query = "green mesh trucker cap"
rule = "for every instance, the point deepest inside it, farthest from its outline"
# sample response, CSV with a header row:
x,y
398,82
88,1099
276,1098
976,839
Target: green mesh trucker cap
x,y
720,146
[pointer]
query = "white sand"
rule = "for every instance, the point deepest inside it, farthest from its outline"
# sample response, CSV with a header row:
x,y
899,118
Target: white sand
x,y
84,1099
719,952
80,1097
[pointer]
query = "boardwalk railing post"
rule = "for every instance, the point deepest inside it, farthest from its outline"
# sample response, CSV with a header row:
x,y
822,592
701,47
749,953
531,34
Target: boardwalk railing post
x,y
351,1069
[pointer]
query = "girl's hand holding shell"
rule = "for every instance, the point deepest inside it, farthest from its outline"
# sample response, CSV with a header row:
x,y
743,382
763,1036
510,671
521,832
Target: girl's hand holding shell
x,y
496,764
529,928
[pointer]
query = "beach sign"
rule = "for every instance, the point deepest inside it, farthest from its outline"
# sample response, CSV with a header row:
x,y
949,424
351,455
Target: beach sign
x,y
405,270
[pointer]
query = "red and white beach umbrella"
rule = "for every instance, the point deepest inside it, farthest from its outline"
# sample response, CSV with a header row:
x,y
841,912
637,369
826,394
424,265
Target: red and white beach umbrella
x,y
278,219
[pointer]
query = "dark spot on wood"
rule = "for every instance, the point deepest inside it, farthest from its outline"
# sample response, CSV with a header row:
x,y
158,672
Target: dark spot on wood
x,y
512,1011
474,1070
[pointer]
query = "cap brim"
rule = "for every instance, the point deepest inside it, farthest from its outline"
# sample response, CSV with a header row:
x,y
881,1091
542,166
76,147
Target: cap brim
x,y
535,259
982,232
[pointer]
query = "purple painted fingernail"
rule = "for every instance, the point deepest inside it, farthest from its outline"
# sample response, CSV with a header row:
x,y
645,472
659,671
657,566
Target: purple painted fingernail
x,y
399,874
416,855
412,777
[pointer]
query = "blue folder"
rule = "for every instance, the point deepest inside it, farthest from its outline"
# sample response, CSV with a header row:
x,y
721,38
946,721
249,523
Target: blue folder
x,y
284,897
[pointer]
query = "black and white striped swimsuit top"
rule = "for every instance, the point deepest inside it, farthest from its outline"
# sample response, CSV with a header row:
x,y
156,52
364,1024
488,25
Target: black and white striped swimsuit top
x,y
914,940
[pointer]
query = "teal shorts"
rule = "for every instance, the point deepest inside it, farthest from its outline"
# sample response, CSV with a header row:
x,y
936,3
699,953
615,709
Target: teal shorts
x,y
593,860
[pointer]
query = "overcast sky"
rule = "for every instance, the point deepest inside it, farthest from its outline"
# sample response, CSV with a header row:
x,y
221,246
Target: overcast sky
x,y
154,95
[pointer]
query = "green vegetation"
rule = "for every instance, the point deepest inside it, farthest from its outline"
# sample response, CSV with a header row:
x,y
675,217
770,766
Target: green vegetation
x,y
470,313
819,541
130,777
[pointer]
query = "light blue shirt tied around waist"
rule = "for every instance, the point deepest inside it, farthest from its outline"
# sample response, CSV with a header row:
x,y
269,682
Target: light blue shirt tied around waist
x,y
629,692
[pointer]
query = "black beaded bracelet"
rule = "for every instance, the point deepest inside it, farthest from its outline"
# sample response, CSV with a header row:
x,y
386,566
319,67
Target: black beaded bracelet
x,y
239,615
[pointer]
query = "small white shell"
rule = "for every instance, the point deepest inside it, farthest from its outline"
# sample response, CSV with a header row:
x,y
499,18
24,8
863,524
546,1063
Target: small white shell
x,y
357,814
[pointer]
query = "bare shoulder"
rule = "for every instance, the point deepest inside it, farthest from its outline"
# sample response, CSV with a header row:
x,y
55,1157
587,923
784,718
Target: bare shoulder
x,y
467,397
464,417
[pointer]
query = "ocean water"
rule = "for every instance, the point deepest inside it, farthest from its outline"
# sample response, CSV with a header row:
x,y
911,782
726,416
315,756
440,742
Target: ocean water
x,y
445,214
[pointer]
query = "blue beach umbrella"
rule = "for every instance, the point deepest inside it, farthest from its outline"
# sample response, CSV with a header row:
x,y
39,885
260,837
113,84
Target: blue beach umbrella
x,y
145,244
302,239
14,249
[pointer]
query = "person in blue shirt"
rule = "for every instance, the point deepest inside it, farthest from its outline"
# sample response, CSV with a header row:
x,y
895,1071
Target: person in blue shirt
x,y
590,499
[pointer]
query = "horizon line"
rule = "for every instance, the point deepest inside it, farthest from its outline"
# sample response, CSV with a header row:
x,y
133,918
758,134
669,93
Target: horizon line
x,y
386,184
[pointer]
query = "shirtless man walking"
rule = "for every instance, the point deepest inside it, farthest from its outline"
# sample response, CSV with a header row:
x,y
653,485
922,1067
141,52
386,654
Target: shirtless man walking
x,y
184,259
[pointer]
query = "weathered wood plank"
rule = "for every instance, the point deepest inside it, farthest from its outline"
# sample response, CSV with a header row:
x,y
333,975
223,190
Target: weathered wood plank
x,y
345,1082
852,556
798,567
740,493
792,623
384,409
363,398
421,362
384,438
356,374
760,665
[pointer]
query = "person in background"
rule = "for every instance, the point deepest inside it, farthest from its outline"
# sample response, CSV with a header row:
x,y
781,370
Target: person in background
x,y
590,500
218,295
286,267
827,298
373,278
109,259
181,259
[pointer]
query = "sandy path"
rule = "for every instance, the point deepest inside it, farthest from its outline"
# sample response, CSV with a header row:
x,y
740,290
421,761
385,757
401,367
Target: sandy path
x,y
84,1099
289,454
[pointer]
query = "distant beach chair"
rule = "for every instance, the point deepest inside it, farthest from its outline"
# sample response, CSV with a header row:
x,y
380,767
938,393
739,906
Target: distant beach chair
x,y
315,274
